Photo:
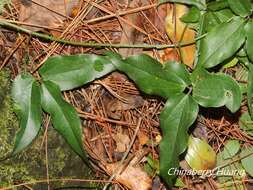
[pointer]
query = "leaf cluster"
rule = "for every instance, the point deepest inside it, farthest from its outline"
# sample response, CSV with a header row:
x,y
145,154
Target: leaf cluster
x,y
227,27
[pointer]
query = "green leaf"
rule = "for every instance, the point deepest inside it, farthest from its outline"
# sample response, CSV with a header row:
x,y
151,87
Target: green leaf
x,y
201,4
63,116
76,70
247,155
217,5
240,7
230,167
246,123
152,77
221,43
231,148
249,39
216,90
231,63
200,155
212,19
26,95
177,116
180,183
250,90
192,16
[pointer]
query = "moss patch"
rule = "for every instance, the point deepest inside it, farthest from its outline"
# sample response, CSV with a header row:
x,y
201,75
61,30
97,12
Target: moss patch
x,y
31,164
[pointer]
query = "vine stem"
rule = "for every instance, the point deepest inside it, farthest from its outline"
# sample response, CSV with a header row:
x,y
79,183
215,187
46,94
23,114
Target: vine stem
x,y
7,24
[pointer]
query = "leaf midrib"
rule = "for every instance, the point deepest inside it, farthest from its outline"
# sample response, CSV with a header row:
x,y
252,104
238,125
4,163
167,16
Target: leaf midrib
x,y
222,42
155,75
63,113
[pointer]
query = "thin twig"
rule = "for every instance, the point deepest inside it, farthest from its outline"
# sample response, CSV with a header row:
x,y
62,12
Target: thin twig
x,y
5,23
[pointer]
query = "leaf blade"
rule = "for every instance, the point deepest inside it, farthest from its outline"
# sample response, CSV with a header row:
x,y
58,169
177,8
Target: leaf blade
x,y
216,90
249,40
247,159
231,148
221,42
250,90
152,77
26,95
200,155
64,117
177,116
75,70
240,7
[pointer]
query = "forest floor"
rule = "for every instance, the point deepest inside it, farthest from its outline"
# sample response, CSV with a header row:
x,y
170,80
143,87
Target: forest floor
x,y
110,124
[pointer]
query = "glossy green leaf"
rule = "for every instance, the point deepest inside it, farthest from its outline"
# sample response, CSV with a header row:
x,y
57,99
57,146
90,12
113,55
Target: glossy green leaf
x,y
249,39
75,70
231,148
216,90
200,155
217,5
63,116
247,160
213,19
221,42
240,7
246,123
152,77
26,95
177,116
250,90
201,4
192,16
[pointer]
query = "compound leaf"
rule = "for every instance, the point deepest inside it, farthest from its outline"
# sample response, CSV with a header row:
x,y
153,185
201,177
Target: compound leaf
x,y
64,117
177,116
75,70
26,95
221,42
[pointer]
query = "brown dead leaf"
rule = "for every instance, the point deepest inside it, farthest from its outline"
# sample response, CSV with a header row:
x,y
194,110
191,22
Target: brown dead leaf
x,y
49,13
122,142
143,138
176,33
132,177
114,107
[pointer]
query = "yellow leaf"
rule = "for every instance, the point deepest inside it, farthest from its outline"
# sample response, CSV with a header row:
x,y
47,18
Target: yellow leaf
x,y
179,32
200,155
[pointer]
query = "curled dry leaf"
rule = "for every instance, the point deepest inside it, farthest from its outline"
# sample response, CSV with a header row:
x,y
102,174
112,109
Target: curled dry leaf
x,y
179,32
132,177
49,13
